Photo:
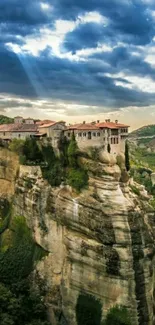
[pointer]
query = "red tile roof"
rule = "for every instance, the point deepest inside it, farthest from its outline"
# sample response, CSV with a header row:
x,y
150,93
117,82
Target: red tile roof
x,y
83,126
18,127
44,122
111,125
47,125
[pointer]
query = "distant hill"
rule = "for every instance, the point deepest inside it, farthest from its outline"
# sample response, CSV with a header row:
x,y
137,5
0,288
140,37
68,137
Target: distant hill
x,y
144,131
5,119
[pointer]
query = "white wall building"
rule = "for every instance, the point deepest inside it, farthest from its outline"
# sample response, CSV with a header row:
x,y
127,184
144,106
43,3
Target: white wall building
x,y
98,134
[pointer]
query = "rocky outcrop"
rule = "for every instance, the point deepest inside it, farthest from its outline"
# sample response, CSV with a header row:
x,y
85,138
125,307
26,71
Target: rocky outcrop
x,y
9,165
99,242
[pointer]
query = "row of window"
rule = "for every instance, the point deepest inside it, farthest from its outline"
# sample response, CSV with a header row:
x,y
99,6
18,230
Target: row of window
x,y
84,134
124,130
114,140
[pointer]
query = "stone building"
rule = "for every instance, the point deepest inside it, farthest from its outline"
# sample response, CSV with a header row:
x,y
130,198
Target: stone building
x,y
98,134
52,131
17,131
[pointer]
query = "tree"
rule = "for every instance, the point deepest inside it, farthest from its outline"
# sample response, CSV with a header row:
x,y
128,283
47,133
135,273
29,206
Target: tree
x,y
88,310
72,152
108,148
31,150
16,145
63,144
77,178
117,315
127,159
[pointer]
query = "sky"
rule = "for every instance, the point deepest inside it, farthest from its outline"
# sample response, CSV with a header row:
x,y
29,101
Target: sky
x,y
78,60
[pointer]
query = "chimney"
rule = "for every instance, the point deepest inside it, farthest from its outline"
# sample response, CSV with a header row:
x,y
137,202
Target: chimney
x,y
93,122
116,121
98,121
107,121
84,122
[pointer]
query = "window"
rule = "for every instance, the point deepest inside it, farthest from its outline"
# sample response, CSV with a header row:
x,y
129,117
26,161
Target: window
x,y
69,134
94,134
114,132
98,134
18,135
84,134
89,135
3,133
79,134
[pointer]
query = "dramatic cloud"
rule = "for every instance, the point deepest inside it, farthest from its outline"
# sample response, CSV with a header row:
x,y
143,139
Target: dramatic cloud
x,y
74,57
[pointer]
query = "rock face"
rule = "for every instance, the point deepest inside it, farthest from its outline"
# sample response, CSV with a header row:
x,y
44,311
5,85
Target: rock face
x,y
9,165
100,242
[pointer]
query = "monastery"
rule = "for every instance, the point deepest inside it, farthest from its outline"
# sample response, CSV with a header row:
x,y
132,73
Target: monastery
x,y
95,134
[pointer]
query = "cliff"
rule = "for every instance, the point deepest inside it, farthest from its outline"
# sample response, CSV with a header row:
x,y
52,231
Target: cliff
x,y
99,242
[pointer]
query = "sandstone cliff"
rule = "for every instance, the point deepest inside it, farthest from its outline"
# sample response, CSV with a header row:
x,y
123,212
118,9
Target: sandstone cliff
x,y
100,242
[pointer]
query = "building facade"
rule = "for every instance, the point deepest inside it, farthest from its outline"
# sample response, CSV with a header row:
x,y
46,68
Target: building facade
x,y
95,134
98,134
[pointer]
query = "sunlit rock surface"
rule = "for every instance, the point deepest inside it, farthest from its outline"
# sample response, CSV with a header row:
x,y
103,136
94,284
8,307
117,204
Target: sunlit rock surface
x,y
100,242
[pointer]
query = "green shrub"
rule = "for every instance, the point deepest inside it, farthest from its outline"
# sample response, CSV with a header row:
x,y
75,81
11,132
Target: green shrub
x,y
17,261
127,159
117,315
16,145
109,148
77,178
32,151
53,174
135,190
72,152
88,310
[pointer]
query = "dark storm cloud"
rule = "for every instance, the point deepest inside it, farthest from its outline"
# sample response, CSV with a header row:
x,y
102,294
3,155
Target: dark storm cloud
x,y
13,78
57,78
129,17
27,12
46,76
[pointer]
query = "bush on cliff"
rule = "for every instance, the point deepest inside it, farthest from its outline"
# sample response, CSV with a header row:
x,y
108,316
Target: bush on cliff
x,y
72,152
77,178
117,315
88,310
20,301
127,159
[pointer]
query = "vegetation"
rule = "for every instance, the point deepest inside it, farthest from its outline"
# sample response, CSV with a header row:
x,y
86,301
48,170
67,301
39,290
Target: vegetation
x,y
88,310
77,178
5,119
145,131
135,189
20,301
72,152
117,315
127,159
55,168
109,148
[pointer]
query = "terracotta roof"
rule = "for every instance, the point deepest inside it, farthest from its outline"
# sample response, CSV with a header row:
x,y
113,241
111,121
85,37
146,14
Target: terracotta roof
x,y
18,128
44,122
47,125
111,125
83,126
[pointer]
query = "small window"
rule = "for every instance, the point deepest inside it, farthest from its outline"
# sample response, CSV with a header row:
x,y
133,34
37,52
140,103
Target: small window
x,y
98,134
94,134
79,134
3,133
18,135
69,134
84,134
